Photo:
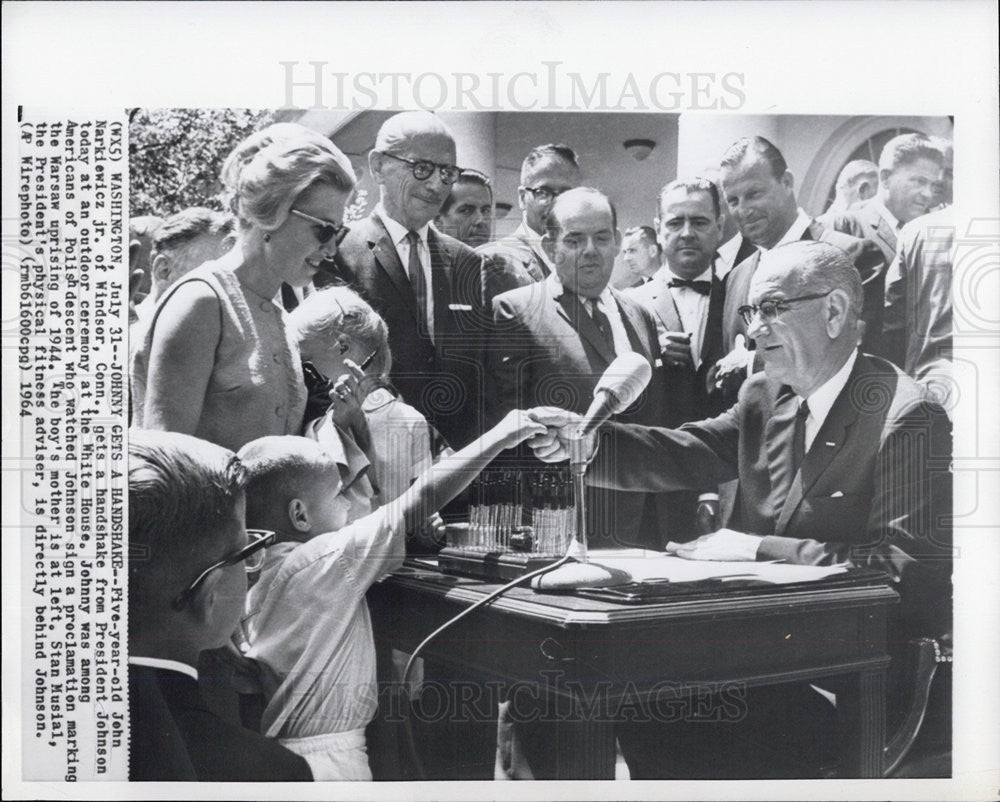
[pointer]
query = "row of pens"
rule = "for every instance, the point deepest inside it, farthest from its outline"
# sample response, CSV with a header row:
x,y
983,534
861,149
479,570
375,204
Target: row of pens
x,y
519,511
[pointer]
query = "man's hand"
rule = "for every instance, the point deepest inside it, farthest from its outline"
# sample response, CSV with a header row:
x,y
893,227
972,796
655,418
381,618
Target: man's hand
x,y
729,372
725,544
676,349
517,426
553,445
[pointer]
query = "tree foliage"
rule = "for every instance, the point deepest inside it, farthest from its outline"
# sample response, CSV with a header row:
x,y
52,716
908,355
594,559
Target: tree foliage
x,y
176,155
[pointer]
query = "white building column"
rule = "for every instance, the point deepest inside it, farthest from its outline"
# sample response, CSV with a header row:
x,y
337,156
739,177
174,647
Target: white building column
x,y
476,138
702,139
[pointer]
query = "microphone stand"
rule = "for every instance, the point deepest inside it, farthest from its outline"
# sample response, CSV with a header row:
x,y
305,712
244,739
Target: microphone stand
x,y
578,460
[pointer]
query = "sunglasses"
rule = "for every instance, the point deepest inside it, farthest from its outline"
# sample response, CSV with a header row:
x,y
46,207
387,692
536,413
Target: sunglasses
x,y
423,169
324,230
770,308
251,555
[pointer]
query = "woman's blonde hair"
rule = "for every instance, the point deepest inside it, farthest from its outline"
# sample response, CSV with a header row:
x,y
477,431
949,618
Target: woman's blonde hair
x,y
268,170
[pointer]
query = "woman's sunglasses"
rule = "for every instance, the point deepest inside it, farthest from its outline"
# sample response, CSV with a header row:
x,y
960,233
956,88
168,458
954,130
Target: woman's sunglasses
x,y
324,230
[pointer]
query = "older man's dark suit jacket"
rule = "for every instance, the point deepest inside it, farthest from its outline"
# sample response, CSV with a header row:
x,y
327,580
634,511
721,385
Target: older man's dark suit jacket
x,y
176,737
442,378
548,351
511,262
874,488
868,260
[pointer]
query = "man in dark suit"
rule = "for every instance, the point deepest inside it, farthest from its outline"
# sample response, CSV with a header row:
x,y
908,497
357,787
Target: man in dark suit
x,y
838,455
519,259
187,587
426,285
686,298
554,339
918,316
760,191
909,173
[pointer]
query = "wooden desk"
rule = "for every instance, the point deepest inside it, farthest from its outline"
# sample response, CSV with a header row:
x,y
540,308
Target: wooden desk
x,y
586,656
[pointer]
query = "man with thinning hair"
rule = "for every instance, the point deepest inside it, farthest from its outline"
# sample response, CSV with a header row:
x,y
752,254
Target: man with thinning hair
x,y
424,284
839,459
857,183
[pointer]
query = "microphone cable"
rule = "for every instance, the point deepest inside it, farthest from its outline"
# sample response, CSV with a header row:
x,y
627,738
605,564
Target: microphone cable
x,y
407,724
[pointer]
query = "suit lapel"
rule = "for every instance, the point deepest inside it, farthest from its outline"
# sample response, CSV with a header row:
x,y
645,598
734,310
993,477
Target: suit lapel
x,y
664,306
778,447
572,310
828,443
711,343
635,327
441,274
536,266
883,231
386,257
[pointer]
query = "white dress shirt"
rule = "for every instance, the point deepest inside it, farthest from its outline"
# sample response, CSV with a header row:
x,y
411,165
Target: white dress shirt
x,y
821,400
795,231
398,234
692,307
725,255
167,665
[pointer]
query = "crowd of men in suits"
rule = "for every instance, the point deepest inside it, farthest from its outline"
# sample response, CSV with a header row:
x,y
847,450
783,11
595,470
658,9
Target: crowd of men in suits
x,y
719,282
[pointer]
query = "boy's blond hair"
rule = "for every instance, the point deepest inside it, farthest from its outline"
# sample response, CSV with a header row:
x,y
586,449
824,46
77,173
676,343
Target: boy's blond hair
x,y
282,468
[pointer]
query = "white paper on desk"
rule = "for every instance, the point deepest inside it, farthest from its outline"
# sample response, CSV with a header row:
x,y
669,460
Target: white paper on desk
x,y
645,566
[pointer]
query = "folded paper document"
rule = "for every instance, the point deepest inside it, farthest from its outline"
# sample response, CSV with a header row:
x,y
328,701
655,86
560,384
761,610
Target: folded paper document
x,y
653,566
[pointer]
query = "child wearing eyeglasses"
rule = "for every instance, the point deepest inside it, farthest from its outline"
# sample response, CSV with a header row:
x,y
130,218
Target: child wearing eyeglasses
x,y
306,623
353,410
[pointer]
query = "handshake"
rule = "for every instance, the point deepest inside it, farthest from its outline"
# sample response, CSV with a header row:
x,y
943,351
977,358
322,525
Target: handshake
x,y
552,433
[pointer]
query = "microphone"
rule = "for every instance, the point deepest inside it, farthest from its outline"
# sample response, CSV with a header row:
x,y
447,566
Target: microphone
x,y
619,387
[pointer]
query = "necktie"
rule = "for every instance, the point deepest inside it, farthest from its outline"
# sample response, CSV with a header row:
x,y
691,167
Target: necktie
x,y
799,436
701,287
416,274
602,323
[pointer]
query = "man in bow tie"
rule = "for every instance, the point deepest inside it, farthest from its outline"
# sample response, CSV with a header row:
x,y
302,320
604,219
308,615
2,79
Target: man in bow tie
x,y
838,456
685,297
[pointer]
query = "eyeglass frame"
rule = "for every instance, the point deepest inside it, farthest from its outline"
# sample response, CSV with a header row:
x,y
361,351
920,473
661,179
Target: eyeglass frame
x,y
453,170
339,230
546,192
749,311
265,539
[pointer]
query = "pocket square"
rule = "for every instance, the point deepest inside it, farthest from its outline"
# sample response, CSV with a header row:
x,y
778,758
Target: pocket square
x,y
838,494
460,307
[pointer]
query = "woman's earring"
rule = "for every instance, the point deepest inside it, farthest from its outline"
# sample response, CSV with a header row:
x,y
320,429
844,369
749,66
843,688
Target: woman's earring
x,y
267,238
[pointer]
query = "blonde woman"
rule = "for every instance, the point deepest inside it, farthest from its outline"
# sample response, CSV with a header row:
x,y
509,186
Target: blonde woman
x,y
217,361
